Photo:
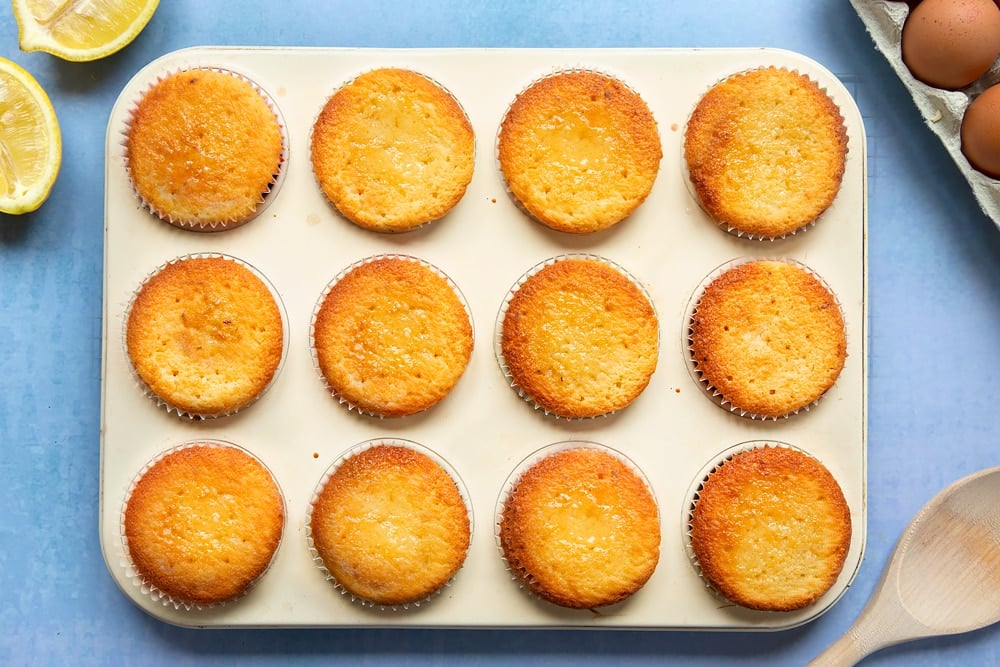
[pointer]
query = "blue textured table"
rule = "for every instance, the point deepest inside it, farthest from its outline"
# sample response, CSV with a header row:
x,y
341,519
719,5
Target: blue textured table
x,y
934,364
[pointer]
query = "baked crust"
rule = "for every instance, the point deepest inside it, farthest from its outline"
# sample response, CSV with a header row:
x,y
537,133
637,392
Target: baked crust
x,y
768,337
771,529
391,525
581,529
766,151
579,151
392,150
203,523
203,148
205,335
580,338
392,337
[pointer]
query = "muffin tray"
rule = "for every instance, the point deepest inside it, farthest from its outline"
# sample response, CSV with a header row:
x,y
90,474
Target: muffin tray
x,y
483,429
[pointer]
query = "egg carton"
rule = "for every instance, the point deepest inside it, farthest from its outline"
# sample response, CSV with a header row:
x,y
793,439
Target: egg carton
x,y
942,110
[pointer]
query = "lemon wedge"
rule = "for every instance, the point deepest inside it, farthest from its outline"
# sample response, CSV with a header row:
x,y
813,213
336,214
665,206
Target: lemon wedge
x,y
30,141
80,30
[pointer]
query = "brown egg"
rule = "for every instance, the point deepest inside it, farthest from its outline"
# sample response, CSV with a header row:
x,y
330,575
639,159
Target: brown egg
x,y
981,132
951,43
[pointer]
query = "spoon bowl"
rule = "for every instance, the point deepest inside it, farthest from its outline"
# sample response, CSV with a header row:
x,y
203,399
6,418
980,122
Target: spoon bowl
x,y
943,577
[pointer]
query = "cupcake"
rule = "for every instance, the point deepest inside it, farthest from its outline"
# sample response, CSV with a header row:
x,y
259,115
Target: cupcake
x,y
579,150
393,150
202,523
767,338
770,529
203,147
765,151
578,337
389,524
205,335
391,336
580,528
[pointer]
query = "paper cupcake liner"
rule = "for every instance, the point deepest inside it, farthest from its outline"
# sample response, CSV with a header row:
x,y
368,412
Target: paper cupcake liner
x,y
165,404
266,196
340,460
502,313
722,224
351,406
347,83
693,495
514,478
708,389
496,140
138,580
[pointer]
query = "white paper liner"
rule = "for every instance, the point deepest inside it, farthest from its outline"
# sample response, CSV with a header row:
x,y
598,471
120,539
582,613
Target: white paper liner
x,y
163,403
942,110
357,449
693,494
514,478
137,579
502,313
344,85
707,388
557,71
725,225
351,406
266,197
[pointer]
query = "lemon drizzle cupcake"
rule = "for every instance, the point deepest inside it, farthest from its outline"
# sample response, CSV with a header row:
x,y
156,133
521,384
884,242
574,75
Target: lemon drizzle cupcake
x,y
391,336
390,523
578,337
578,525
768,527
205,335
765,152
579,150
392,150
201,524
766,338
203,148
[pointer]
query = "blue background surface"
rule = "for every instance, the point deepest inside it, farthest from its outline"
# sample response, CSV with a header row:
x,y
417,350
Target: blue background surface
x,y
934,318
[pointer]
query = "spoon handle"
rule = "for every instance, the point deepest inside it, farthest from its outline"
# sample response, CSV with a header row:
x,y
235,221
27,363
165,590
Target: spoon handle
x,y
883,622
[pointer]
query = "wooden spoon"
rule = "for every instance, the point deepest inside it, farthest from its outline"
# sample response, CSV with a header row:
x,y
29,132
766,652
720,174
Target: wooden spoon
x,y
943,577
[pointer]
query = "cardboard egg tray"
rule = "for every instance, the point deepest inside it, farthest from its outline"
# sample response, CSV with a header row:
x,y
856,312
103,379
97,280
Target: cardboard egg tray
x,y
942,110
483,429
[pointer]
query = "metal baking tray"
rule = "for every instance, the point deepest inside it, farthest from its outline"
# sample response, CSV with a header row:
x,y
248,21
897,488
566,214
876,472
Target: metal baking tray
x,y
483,429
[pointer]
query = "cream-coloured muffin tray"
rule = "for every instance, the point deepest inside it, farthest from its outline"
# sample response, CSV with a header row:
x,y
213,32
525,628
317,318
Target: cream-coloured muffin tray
x,y
483,429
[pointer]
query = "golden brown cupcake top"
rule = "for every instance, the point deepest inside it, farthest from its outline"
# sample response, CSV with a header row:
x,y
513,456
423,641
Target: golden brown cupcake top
x,y
579,150
390,525
392,337
205,335
580,338
771,529
202,148
202,523
768,336
766,151
581,529
393,150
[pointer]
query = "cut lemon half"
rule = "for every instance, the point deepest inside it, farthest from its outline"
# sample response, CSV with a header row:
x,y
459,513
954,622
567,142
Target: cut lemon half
x,y
80,30
30,141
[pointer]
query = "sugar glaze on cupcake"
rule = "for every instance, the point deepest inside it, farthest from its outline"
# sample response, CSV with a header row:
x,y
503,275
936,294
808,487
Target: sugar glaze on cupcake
x,y
765,152
579,150
203,148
